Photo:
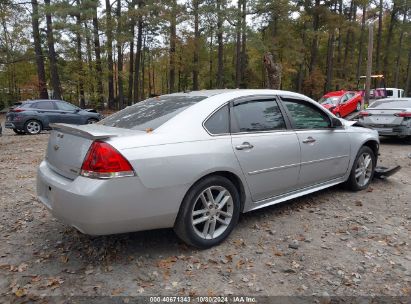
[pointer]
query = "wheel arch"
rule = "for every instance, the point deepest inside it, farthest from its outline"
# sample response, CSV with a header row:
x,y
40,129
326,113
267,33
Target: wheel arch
x,y
234,178
374,146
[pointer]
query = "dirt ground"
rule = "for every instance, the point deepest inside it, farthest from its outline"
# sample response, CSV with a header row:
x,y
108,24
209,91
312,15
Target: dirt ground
x,y
331,243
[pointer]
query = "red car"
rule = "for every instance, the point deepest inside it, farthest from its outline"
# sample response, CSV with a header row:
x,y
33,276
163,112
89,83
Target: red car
x,y
341,103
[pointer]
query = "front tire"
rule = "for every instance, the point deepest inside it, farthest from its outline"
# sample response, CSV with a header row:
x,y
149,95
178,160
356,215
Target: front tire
x,y
91,121
362,171
33,127
358,108
208,213
338,115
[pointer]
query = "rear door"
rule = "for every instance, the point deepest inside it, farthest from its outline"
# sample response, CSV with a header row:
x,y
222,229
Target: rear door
x,y
47,109
268,152
325,151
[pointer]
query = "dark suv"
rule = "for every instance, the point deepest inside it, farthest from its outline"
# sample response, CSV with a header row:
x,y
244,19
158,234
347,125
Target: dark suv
x,y
35,115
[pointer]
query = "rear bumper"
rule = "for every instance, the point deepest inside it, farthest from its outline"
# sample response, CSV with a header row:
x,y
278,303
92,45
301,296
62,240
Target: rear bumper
x,y
14,125
394,131
99,207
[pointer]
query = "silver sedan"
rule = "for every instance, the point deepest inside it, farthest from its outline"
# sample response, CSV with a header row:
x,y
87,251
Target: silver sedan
x,y
390,117
195,161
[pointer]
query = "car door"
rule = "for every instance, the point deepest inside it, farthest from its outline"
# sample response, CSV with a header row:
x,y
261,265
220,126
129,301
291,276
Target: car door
x,y
325,150
46,109
68,113
343,105
268,152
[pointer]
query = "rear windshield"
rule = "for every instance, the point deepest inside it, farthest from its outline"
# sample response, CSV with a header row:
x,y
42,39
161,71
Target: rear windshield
x,y
150,113
391,104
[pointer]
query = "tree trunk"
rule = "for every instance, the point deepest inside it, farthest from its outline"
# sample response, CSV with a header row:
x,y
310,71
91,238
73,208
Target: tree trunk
x,y
173,38
339,46
379,37
314,44
388,45
408,79
89,58
131,63
97,50
220,56
347,40
109,34
330,56
397,65
143,61
41,73
196,45
243,83
273,72
210,62
238,46
55,79
119,57
361,46
136,95
80,57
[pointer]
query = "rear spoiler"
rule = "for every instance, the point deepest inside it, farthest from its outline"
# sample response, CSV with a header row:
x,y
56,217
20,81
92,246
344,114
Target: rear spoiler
x,y
85,131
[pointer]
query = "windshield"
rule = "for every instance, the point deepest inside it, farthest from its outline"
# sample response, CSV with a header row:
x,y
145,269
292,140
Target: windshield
x,y
150,113
329,100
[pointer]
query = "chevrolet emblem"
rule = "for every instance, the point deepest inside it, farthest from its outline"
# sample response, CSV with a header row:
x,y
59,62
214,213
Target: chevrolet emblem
x,y
56,147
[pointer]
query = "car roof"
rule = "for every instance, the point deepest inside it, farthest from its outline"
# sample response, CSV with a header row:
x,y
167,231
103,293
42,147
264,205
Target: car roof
x,y
237,93
37,100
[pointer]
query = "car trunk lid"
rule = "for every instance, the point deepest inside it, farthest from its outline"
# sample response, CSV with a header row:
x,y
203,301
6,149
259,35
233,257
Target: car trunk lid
x,y
68,145
384,116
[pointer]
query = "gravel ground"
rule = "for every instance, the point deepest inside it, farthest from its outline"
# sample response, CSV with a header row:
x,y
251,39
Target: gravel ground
x,y
333,242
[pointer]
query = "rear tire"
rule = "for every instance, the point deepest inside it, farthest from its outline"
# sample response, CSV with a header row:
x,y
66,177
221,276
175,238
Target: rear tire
x,y
358,108
19,132
33,127
362,171
208,213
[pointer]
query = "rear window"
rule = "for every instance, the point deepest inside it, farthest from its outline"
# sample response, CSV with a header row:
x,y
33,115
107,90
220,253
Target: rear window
x,y
150,113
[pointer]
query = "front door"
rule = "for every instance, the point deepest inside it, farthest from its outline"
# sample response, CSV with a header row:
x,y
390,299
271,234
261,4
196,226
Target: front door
x,y
68,113
268,152
325,151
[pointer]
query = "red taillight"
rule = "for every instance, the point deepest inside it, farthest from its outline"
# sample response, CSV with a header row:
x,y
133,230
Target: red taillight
x,y
403,114
103,161
364,113
17,110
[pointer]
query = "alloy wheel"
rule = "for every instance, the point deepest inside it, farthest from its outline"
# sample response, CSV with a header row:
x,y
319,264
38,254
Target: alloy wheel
x,y
33,127
363,169
212,212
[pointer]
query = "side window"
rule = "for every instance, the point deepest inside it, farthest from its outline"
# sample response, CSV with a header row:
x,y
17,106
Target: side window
x,y
64,106
44,105
258,115
306,116
218,123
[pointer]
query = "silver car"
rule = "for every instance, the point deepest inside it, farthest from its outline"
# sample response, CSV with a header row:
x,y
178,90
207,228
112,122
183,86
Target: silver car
x,y
195,161
390,117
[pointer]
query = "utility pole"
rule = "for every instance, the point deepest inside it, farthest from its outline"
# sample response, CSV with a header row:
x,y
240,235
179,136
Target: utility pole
x,y
366,98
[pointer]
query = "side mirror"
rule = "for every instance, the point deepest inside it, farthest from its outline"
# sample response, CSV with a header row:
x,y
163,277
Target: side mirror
x,y
335,122
77,110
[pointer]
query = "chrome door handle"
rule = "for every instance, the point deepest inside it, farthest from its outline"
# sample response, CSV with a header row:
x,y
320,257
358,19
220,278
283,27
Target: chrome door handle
x,y
244,146
309,140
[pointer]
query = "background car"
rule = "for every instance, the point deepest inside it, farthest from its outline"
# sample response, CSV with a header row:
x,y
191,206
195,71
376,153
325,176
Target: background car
x,y
390,117
194,161
35,115
341,103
